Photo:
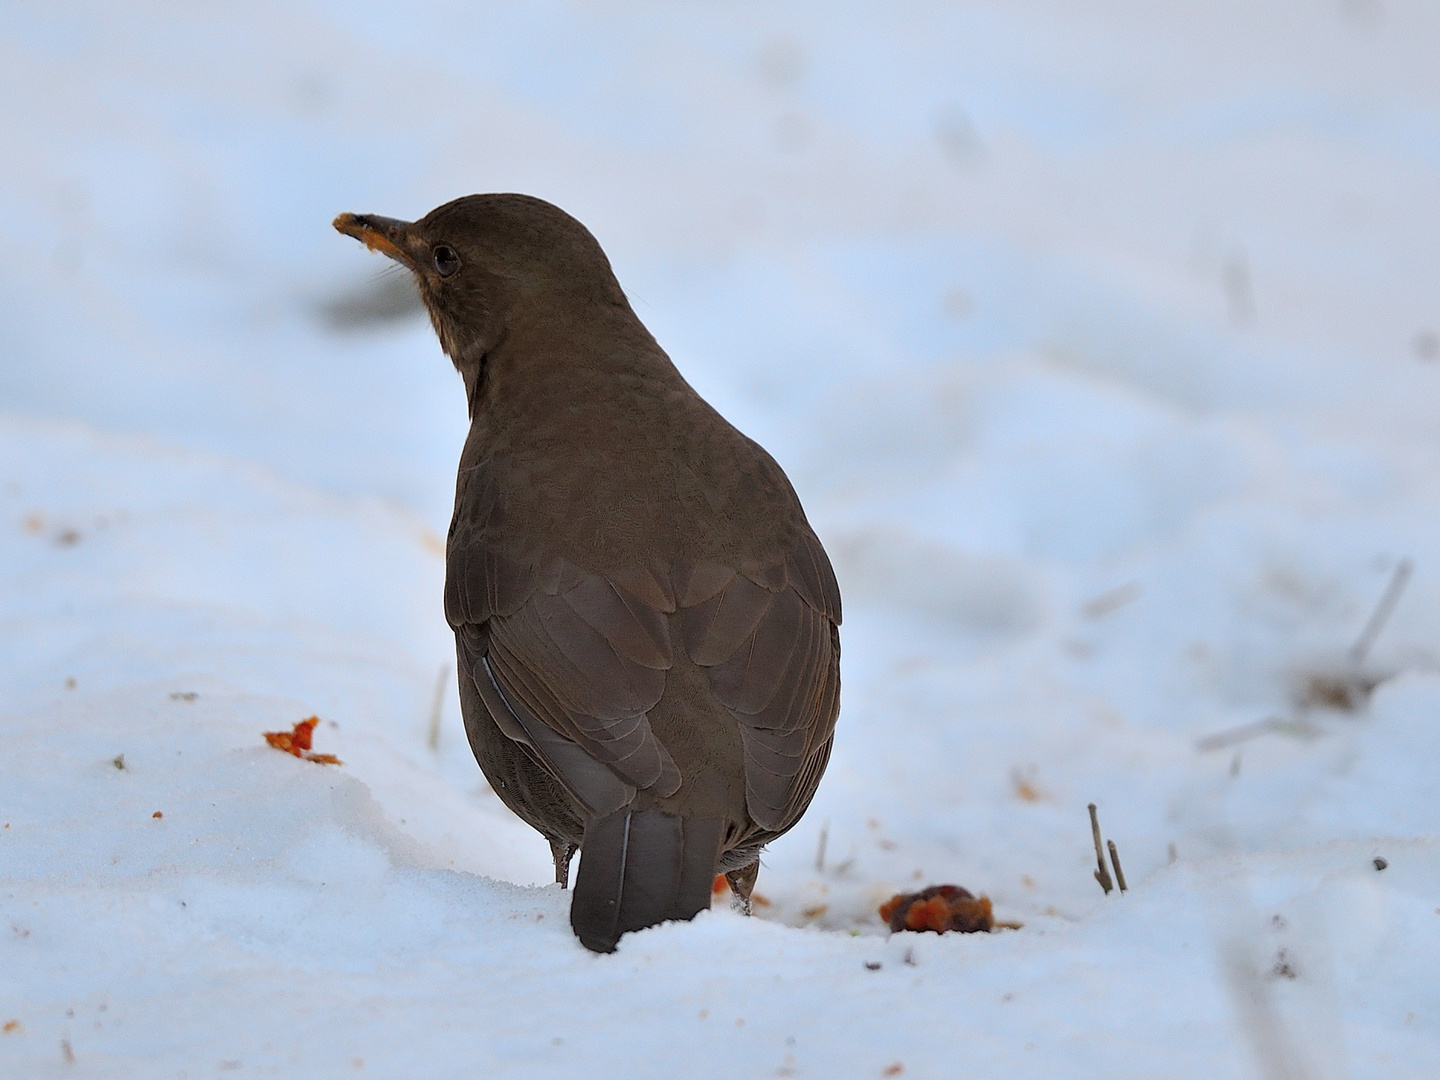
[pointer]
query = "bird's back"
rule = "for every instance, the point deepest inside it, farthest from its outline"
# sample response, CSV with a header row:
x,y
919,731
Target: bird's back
x,y
681,541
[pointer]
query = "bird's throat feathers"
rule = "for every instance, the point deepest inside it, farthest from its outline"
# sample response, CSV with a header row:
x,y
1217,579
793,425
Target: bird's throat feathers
x,y
526,352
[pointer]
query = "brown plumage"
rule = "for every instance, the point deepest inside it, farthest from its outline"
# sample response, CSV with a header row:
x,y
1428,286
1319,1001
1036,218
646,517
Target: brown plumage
x,y
646,624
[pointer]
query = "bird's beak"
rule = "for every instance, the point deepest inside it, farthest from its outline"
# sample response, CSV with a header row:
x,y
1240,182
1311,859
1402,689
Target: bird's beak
x,y
382,234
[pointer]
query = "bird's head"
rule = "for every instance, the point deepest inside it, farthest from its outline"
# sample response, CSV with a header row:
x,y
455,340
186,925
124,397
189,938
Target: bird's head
x,y
490,265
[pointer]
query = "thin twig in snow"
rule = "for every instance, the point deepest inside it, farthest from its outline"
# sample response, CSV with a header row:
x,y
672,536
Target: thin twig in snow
x,y
1383,610
1102,875
1278,725
1115,862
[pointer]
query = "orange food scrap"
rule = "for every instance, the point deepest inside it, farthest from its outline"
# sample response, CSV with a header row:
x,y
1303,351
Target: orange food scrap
x,y
298,741
940,908
292,742
157,813
11,1026
894,1070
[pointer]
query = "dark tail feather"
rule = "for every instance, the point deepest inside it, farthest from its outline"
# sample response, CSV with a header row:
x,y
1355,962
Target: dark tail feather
x,y
639,868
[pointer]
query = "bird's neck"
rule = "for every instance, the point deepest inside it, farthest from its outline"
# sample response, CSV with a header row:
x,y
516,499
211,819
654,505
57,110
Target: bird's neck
x,y
560,360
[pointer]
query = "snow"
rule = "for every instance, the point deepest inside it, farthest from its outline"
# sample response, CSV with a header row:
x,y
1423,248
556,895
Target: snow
x,y
1100,342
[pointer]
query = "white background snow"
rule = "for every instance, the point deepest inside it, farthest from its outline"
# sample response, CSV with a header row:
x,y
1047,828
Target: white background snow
x,y
1100,340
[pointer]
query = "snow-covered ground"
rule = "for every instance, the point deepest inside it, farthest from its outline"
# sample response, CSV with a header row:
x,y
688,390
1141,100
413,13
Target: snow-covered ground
x,y
1100,340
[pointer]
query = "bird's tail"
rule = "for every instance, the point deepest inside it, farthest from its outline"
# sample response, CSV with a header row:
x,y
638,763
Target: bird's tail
x,y
639,868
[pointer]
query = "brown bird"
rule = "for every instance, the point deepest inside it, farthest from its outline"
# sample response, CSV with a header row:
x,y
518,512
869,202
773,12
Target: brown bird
x,y
646,625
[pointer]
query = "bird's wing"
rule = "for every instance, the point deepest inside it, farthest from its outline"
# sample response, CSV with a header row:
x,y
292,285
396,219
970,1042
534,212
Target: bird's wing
x,y
568,663
769,637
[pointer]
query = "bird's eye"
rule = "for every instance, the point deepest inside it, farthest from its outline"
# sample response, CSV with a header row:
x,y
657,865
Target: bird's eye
x,y
446,261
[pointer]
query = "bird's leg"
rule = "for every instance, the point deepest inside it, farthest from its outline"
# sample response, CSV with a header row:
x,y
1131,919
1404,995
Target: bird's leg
x,y
742,884
562,851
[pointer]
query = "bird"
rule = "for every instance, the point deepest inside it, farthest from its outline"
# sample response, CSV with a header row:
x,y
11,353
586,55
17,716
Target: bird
x,y
646,625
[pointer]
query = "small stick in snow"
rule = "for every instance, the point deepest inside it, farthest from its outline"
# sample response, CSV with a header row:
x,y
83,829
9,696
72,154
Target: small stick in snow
x,y
1383,610
437,706
1115,862
1277,725
820,849
1102,875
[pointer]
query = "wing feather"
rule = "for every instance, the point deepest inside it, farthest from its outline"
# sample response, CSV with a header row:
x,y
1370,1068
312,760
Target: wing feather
x,y
770,642
715,629
808,570
576,660
565,661
571,677
636,632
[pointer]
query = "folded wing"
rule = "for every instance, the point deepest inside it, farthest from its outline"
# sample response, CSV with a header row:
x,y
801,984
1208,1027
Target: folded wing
x,y
769,637
570,663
